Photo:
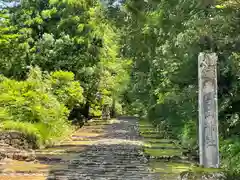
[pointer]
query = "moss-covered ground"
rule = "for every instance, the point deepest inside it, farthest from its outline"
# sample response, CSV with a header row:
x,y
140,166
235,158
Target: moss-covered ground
x,y
158,148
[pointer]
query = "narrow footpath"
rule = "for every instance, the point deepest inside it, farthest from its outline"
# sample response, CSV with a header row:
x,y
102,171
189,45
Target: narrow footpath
x,y
115,153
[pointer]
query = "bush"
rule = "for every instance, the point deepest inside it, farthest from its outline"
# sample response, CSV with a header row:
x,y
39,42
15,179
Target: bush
x,y
230,155
40,104
95,110
118,108
28,101
67,91
189,135
4,115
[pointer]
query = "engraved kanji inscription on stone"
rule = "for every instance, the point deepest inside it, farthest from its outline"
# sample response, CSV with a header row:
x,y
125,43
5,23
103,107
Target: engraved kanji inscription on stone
x,y
208,104
208,115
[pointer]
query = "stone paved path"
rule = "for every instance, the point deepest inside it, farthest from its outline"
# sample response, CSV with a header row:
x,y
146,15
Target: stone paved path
x,y
116,155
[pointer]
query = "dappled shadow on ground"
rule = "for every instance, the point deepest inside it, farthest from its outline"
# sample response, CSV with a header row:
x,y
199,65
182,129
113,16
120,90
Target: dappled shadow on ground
x,y
167,158
111,151
114,155
98,151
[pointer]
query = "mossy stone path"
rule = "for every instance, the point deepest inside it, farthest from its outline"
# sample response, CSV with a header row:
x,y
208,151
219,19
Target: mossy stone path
x,y
166,158
109,151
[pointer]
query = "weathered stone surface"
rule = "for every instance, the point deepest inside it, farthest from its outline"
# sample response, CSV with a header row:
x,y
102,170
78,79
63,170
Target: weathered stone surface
x,y
208,110
18,140
15,145
7,151
116,155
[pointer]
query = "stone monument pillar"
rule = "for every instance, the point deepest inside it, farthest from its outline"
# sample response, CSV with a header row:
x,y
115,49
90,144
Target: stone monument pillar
x,y
208,110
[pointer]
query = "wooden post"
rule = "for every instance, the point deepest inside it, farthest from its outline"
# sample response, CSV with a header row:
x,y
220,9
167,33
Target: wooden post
x,y
208,110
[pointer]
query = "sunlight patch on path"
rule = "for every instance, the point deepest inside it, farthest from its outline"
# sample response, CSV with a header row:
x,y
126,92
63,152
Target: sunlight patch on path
x,y
119,141
63,151
113,152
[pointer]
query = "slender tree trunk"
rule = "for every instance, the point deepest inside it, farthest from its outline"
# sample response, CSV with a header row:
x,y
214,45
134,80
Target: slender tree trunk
x,y
113,110
86,109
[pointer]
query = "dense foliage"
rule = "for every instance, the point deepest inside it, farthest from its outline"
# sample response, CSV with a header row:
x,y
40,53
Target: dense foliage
x,y
72,44
36,106
164,39
66,35
136,54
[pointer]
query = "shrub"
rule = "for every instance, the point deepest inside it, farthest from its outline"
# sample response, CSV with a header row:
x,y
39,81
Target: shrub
x,y
67,91
189,135
230,155
118,108
95,110
29,102
4,115
39,104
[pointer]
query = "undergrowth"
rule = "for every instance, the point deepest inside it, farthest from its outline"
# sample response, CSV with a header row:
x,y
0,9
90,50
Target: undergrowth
x,y
40,105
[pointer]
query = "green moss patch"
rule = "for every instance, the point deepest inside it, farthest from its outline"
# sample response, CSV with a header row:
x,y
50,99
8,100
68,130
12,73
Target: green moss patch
x,y
166,157
172,170
163,152
169,167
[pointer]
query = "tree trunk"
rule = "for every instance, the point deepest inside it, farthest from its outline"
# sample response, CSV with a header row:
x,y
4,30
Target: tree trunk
x,y
86,110
113,112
